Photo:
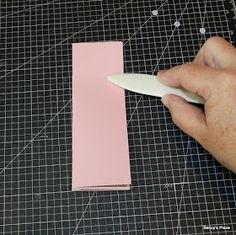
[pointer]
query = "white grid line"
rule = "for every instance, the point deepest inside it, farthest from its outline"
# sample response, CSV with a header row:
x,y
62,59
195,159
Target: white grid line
x,y
64,40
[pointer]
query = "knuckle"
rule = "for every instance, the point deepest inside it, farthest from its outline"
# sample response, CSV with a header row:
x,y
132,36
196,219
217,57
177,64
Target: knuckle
x,y
228,78
213,40
190,69
225,85
203,91
178,68
186,66
183,68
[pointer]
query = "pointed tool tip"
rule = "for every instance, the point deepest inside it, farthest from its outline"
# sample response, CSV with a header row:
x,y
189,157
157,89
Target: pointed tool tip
x,y
113,78
110,77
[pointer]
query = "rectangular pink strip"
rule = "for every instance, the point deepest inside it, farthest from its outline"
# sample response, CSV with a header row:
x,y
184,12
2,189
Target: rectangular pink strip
x,y
99,132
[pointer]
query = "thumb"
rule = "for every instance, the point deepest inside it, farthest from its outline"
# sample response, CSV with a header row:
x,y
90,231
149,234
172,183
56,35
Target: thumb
x,y
187,117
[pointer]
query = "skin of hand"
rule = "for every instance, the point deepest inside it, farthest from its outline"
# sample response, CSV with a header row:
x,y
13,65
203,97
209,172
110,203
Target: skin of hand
x,y
212,75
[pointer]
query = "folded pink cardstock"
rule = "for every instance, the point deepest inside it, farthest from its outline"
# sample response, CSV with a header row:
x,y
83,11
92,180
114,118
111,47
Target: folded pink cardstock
x,y
99,132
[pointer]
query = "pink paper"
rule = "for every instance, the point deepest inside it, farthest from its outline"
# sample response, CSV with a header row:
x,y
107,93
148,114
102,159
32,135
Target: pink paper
x,y
100,140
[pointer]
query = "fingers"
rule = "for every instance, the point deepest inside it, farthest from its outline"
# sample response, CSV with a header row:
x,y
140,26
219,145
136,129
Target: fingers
x,y
217,53
187,117
194,78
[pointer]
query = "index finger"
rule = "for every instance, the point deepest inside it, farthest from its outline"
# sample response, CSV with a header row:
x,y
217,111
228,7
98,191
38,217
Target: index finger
x,y
217,53
195,78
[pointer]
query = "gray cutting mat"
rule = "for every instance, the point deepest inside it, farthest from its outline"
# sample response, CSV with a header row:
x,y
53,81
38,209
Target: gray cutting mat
x,y
177,188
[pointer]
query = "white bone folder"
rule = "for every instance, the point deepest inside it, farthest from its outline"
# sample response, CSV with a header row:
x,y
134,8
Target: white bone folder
x,y
150,85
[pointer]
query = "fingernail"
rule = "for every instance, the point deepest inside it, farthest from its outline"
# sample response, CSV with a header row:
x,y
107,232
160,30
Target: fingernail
x,y
164,101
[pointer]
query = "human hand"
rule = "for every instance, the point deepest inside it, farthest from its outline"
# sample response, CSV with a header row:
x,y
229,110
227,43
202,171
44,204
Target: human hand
x,y
212,75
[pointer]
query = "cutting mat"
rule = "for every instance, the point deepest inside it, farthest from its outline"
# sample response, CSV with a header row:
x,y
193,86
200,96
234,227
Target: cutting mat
x,y
177,188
